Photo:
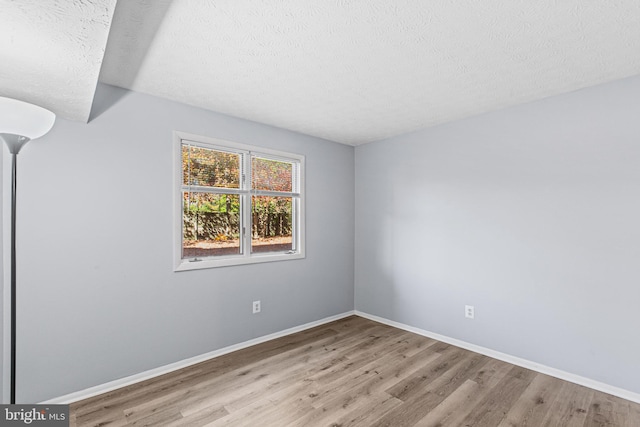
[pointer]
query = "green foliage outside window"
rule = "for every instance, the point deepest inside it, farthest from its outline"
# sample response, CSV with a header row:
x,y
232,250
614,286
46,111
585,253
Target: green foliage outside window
x,y
213,216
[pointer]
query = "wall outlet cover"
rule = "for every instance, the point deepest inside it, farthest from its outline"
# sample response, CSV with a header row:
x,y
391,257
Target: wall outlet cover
x,y
469,311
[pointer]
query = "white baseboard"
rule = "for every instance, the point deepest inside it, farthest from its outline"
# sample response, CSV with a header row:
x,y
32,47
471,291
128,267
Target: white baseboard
x,y
557,373
136,378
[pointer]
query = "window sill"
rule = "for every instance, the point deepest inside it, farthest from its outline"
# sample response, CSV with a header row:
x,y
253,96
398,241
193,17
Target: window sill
x,y
186,265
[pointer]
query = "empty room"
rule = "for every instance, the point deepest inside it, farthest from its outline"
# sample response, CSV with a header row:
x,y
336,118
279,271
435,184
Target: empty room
x,y
320,213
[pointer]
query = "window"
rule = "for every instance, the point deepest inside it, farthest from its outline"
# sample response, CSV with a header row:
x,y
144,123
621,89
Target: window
x,y
236,204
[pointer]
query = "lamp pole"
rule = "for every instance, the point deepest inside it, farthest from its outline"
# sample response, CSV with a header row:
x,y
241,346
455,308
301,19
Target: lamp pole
x,y
14,305
15,144
20,122
14,149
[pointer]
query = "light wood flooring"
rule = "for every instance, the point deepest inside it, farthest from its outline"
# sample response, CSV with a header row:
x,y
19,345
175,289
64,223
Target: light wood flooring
x,y
355,372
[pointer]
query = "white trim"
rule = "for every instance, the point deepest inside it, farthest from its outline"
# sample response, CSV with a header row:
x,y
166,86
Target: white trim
x,y
226,145
227,261
152,373
136,378
557,373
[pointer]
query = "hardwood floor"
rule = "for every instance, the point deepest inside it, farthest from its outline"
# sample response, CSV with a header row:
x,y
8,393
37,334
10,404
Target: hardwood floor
x,y
355,372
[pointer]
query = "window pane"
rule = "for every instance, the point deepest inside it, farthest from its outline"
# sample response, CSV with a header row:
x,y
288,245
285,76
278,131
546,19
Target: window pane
x,y
210,168
271,175
210,224
271,224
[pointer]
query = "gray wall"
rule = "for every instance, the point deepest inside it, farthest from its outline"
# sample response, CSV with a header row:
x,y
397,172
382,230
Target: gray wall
x,y
531,214
98,297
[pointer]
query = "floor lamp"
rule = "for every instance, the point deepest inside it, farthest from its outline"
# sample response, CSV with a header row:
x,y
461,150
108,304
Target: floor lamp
x,y
20,122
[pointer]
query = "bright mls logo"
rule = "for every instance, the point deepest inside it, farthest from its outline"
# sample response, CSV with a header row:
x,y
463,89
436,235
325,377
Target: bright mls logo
x,y
35,415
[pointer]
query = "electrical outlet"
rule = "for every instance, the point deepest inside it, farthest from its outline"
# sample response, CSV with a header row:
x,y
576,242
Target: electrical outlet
x,y
256,307
469,311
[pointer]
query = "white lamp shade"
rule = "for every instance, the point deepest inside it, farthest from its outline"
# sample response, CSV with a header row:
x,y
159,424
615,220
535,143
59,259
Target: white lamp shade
x,y
24,119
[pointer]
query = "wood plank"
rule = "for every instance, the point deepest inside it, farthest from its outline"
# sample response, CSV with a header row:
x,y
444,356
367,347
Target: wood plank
x,y
206,416
346,397
279,377
496,403
248,371
350,326
278,408
372,348
633,420
366,415
315,390
405,389
421,401
363,411
532,407
194,380
570,407
375,376
354,372
449,406
156,417
453,410
607,410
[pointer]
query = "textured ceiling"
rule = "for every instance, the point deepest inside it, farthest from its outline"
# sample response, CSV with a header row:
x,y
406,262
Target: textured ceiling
x,y
351,71
51,52
363,70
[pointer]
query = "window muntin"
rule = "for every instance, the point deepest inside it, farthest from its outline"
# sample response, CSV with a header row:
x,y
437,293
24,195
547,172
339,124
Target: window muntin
x,y
238,204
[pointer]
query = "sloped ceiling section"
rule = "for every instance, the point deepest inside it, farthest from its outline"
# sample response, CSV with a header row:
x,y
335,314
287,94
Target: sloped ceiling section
x,y
51,52
356,71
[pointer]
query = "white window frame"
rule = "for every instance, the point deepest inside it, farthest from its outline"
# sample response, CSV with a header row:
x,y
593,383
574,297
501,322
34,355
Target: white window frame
x,y
298,216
